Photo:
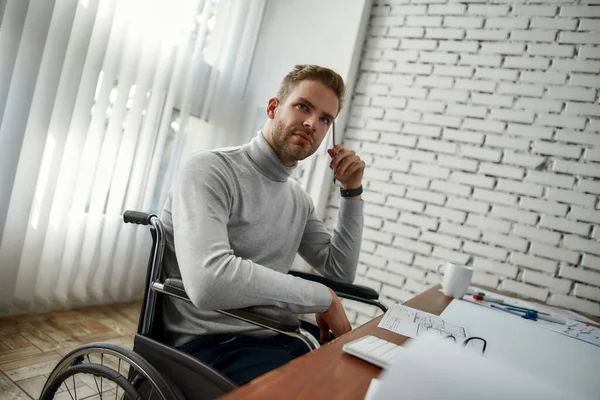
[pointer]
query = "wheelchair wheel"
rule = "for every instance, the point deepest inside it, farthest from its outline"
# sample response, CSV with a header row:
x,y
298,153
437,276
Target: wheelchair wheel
x,y
103,370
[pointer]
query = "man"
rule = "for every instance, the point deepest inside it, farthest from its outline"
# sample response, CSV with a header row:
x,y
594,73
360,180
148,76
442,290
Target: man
x,y
234,223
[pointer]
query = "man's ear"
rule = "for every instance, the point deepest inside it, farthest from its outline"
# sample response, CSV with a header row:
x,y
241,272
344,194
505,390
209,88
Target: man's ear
x,y
272,107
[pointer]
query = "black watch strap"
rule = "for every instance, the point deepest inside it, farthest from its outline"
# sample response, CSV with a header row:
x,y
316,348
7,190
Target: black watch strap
x,y
351,192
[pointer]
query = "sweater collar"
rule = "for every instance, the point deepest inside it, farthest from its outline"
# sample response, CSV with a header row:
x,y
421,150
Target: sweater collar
x,y
266,160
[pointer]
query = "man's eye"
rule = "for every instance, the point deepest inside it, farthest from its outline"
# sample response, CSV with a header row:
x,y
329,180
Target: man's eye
x,y
303,106
325,120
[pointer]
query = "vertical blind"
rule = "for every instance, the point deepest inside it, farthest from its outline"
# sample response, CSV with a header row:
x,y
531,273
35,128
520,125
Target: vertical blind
x,y
95,100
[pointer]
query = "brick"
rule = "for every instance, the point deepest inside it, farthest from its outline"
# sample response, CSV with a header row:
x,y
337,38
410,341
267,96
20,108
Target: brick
x,y
402,80
584,214
444,33
554,253
417,155
548,77
468,205
529,103
561,121
419,220
404,32
362,135
418,44
445,213
457,163
494,267
580,11
568,196
554,23
540,235
451,70
434,81
494,197
392,253
379,237
574,303
383,43
504,171
442,120
449,95
587,80
588,186
480,153
426,105
523,89
385,277
463,136
459,230
379,211
543,206
571,93
537,132
422,21
439,58
502,74
402,115
550,50
386,188
389,102
426,196
459,46
557,149
484,125
526,62
507,142
507,23
577,168
407,271
591,261
432,171
550,179
400,140
533,35
467,110
492,100
354,122
450,255
396,295
576,65
446,9
574,242
392,164
408,9
487,10
386,126
588,24
588,292
524,116
578,137
378,149
438,239
475,85
422,130
505,241
463,22
481,278
373,222
580,275
412,246
450,188
405,204
513,214
592,154
526,188
589,52
413,68
535,11
582,109
483,250
523,160
564,225
377,174
401,229
554,284
579,37
377,66
415,287
372,197
472,179
524,290
486,34
527,260
366,112
488,224
502,48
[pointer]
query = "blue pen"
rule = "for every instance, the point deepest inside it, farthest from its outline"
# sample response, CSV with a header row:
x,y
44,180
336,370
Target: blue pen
x,y
528,314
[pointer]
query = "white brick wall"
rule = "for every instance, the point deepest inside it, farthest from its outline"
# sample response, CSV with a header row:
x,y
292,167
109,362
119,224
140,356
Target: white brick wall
x,y
482,122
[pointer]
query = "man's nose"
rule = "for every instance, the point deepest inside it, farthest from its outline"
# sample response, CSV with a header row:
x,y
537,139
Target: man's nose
x,y
310,123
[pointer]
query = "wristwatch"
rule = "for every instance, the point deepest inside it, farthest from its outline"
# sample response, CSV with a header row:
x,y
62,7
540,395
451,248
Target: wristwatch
x,y
351,192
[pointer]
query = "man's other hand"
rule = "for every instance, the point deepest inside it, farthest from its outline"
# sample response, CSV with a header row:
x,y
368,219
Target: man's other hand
x,y
348,166
333,319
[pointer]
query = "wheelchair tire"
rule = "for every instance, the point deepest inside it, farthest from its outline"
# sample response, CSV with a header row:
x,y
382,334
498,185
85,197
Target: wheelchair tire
x,y
129,374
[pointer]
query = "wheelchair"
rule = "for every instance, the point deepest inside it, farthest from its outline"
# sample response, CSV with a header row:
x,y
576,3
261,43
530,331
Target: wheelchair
x,y
154,370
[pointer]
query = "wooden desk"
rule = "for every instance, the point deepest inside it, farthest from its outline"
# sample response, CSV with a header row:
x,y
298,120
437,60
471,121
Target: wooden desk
x,y
328,373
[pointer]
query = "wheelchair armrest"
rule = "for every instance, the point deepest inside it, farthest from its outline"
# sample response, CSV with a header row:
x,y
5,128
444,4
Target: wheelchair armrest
x,y
361,292
269,317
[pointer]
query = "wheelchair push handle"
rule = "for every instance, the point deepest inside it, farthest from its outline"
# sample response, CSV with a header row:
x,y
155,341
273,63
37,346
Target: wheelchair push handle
x,y
137,217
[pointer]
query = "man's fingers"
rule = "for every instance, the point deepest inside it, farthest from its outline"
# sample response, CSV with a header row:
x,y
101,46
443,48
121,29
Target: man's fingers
x,y
339,157
354,167
347,162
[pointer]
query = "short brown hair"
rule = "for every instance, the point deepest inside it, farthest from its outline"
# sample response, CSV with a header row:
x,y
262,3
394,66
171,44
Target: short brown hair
x,y
326,76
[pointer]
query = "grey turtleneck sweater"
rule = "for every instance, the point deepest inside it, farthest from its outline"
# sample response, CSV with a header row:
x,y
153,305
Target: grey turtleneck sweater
x,y
234,223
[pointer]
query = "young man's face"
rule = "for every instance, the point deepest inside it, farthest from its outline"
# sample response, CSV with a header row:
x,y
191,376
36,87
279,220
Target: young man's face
x,y
300,123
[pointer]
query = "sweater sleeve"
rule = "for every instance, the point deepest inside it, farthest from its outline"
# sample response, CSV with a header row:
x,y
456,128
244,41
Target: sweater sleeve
x,y
336,257
213,276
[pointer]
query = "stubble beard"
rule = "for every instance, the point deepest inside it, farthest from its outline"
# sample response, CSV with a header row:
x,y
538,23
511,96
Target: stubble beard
x,y
283,138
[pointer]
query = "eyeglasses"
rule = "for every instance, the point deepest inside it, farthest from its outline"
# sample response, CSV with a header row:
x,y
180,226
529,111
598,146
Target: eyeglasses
x,y
473,342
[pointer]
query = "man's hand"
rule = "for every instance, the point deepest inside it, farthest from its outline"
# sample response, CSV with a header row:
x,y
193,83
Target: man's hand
x,y
347,165
333,319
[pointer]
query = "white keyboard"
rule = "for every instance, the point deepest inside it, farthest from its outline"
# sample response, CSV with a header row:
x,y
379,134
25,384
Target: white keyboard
x,y
374,350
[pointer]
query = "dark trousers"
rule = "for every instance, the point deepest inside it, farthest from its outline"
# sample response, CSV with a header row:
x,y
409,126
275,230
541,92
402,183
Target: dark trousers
x,y
243,358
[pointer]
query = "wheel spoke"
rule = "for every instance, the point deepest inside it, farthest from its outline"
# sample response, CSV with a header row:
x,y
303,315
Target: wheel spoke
x,y
74,387
67,386
95,380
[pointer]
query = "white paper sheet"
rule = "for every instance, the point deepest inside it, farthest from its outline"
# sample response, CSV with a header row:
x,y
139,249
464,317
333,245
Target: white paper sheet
x,y
413,323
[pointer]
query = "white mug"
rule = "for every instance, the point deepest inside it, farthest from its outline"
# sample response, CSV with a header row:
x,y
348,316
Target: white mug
x,y
457,279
